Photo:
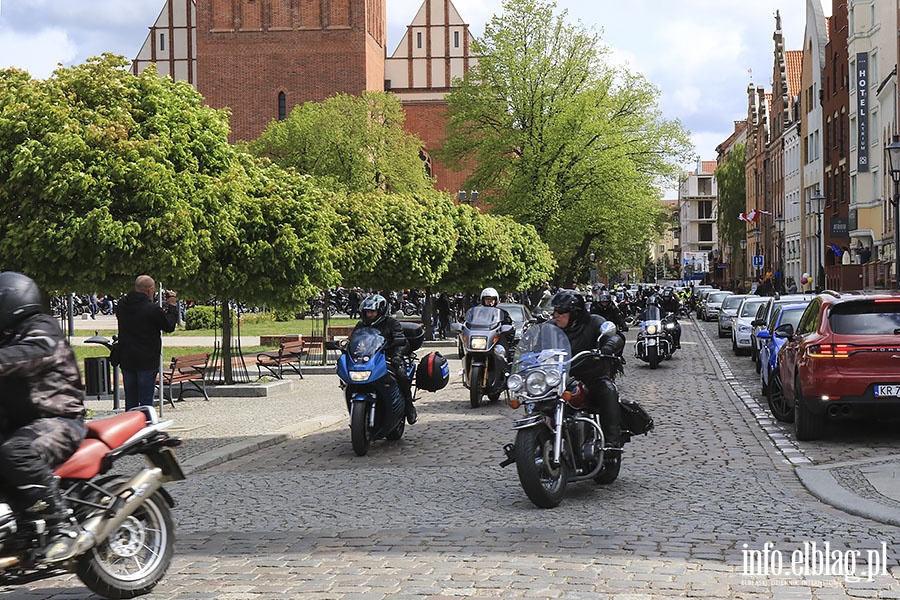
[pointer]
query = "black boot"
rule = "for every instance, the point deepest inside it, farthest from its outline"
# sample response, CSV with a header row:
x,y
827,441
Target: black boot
x,y
62,531
411,415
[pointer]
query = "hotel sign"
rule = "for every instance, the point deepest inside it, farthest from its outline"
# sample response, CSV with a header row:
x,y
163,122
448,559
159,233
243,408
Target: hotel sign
x,y
862,110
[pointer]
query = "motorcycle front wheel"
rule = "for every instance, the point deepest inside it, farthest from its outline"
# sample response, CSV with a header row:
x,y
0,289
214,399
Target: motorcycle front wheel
x,y
359,435
476,391
135,557
544,483
653,356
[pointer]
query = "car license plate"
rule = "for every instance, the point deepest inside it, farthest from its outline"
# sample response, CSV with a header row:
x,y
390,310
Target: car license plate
x,y
651,342
885,390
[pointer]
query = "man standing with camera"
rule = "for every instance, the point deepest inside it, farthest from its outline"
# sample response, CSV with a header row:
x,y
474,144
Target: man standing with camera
x,y
140,322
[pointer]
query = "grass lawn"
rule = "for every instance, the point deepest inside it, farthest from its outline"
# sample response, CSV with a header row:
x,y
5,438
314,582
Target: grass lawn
x,y
301,326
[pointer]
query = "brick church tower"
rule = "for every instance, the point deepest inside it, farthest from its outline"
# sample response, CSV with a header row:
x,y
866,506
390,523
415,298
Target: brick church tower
x,y
263,57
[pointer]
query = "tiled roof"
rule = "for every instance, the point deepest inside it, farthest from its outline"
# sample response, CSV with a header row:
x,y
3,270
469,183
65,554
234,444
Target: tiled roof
x,y
793,62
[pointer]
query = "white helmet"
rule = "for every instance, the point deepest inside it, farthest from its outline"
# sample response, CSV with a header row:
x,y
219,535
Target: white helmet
x,y
490,292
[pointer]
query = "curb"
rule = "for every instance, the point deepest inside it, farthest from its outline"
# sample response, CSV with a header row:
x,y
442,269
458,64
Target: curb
x,y
820,482
234,450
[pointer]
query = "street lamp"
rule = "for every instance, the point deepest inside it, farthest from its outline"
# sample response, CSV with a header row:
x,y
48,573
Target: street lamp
x,y
893,152
819,199
743,259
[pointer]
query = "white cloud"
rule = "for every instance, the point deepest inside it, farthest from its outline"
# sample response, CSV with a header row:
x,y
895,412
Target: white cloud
x,y
37,53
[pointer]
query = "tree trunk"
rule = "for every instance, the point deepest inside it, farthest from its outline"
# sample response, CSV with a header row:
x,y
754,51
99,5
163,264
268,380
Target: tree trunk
x,y
570,274
227,373
325,304
426,315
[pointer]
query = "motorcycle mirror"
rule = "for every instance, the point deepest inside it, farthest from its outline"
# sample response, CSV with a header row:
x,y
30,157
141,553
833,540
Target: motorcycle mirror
x,y
608,329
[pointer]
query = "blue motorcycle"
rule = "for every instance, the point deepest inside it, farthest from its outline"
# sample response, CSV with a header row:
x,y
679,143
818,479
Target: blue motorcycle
x,y
374,400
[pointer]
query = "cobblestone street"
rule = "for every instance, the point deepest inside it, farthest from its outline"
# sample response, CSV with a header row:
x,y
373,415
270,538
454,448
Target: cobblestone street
x,y
434,516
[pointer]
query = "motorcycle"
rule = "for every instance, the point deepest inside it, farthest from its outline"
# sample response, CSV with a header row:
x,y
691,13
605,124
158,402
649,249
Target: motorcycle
x,y
483,341
361,367
559,441
126,540
655,339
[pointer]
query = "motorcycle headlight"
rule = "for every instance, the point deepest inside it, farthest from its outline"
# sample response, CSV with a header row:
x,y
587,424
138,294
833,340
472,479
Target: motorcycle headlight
x,y
478,342
360,375
670,326
536,383
651,329
515,382
552,378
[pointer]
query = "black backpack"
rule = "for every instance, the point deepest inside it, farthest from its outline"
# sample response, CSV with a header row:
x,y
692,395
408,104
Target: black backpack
x,y
433,372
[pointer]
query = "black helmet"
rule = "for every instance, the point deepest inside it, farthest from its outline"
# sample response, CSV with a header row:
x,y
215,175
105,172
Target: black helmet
x,y
604,298
19,298
376,303
568,301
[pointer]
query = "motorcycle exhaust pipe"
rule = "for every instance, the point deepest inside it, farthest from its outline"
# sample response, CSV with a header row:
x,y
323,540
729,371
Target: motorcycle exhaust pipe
x,y
123,505
8,561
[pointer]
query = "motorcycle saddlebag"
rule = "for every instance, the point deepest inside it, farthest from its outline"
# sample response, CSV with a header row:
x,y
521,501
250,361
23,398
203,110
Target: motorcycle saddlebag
x,y
635,419
415,334
433,372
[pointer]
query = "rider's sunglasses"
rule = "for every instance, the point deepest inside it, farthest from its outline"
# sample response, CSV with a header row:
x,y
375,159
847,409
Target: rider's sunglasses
x,y
560,311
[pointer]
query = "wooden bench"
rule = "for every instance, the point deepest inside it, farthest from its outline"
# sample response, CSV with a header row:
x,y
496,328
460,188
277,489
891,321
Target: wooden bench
x,y
190,368
288,355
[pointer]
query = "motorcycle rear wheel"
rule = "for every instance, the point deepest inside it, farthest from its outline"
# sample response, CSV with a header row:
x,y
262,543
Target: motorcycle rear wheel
x,y
610,470
544,484
476,391
135,557
359,435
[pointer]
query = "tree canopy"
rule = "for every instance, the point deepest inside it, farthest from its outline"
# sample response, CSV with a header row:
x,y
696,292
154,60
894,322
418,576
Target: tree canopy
x,y
356,142
561,139
731,180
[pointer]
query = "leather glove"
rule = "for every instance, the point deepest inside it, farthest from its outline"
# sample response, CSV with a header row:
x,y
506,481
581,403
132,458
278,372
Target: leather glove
x,y
397,362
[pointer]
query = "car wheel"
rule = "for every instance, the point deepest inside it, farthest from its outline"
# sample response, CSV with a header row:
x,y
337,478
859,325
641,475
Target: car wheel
x,y
807,426
721,333
734,347
779,406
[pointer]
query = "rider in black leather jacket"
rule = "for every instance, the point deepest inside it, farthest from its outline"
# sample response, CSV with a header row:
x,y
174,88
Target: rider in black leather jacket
x,y
583,330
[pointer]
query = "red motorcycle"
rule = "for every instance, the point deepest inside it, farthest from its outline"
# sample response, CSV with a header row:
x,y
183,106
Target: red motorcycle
x,y
126,540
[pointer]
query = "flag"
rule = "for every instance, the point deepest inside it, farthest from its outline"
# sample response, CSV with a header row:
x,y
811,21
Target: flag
x,y
752,216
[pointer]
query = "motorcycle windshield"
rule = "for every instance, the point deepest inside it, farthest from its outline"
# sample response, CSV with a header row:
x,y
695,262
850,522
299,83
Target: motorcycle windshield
x,y
483,317
543,343
651,313
364,343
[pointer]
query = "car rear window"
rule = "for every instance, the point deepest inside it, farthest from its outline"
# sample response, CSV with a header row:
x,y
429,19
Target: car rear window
x,y
866,318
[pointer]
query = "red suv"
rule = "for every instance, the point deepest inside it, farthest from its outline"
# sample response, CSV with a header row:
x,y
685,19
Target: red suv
x,y
842,360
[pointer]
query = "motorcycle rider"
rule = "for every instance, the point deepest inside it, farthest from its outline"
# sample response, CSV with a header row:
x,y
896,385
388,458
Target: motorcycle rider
x,y
373,313
583,330
42,414
606,308
669,303
490,297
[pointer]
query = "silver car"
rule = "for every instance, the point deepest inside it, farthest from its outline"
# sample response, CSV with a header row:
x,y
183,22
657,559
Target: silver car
x,y
727,312
713,304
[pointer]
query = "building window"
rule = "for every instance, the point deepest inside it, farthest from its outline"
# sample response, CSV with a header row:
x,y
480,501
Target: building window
x,y
419,39
705,232
456,39
162,42
282,106
704,186
704,209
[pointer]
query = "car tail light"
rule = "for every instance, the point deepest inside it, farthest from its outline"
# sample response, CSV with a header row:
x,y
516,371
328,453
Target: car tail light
x,y
830,350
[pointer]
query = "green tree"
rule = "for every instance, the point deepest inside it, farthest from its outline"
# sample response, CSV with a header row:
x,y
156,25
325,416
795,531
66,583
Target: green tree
x,y
356,142
731,181
561,139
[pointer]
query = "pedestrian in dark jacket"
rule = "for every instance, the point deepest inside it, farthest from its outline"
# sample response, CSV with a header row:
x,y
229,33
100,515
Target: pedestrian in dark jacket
x,y
140,322
41,413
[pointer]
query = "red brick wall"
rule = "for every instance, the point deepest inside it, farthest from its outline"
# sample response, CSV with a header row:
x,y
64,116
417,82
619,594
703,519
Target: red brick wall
x,y
427,121
244,67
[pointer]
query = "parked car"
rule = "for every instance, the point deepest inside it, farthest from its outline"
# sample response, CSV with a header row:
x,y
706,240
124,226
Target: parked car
x,y
841,361
713,303
702,294
727,312
766,315
742,328
520,315
768,353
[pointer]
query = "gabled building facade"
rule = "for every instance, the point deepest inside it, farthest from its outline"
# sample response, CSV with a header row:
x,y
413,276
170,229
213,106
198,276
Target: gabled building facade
x,y
261,58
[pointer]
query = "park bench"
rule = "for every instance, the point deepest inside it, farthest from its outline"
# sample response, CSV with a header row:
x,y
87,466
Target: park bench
x,y
287,355
190,368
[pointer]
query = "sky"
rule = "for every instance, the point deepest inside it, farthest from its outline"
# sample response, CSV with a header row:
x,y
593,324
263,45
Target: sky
x,y
701,54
